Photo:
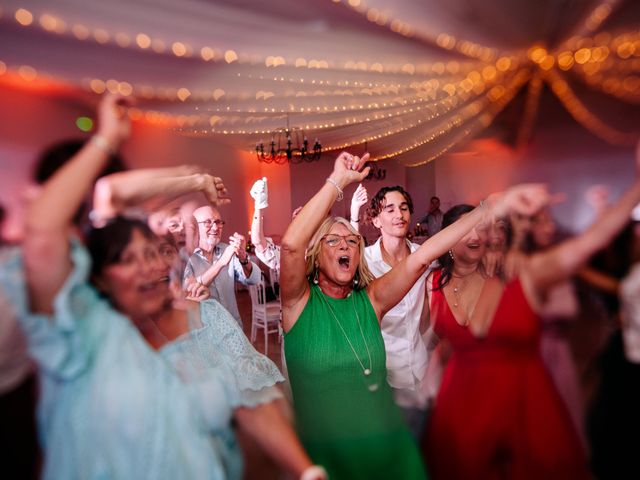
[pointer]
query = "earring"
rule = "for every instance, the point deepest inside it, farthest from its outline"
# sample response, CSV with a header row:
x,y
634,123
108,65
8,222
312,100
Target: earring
x,y
315,275
451,254
356,281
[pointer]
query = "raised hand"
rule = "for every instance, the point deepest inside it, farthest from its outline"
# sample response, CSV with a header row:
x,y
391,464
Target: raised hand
x,y
525,199
349,168
260,194
215,191
239,243
360,198
114,124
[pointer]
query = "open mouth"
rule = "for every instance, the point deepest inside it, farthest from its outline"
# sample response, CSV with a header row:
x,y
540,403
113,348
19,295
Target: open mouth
x,y
152,286
344,262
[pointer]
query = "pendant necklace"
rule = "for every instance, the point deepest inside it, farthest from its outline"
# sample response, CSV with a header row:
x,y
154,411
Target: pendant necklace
x,y
366,371
457,289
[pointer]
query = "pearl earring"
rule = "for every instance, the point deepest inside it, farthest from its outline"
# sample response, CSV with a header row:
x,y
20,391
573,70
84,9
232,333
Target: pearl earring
x,y
451,254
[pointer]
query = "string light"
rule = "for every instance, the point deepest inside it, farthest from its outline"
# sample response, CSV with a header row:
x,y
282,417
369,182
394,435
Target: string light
x,y
583,115
443,40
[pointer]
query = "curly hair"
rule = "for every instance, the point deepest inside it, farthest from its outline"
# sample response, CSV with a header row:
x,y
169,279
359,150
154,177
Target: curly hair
x,y
377,201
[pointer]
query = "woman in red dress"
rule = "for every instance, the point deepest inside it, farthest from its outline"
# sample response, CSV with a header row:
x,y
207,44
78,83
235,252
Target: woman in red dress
x,y
498,414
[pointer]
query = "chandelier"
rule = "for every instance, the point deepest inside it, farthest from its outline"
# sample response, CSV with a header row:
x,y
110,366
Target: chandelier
x,y
375,173
288,144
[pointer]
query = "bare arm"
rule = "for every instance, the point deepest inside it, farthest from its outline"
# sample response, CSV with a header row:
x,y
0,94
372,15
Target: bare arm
x,y
600,280
560,262
49,216
113,193
257,232
293,284
388,290
269,427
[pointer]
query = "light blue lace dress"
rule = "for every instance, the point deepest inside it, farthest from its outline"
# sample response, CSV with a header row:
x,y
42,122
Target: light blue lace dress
x,y
111,407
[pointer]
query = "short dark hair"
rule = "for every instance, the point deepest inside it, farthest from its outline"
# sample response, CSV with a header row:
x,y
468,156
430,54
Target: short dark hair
x,y
107,243
377,201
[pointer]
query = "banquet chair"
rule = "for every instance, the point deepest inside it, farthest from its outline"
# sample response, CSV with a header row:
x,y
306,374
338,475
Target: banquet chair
x,y
274,280
264,315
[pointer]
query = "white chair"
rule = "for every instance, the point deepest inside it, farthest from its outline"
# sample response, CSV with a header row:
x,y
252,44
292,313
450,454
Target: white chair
x,y
264,315
274,279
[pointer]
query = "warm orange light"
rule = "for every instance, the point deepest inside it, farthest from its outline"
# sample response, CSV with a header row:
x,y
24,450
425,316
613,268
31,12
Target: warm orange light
x,y
97,85
230,56
207,53
143,40
183,94
80,32
179,49
24,17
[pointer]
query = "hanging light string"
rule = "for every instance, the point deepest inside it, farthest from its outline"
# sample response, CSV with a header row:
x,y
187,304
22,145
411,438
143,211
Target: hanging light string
x,y
143,42
405,29
583,115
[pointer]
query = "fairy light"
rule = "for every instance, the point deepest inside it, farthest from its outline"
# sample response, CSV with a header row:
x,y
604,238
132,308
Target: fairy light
x,y
583,115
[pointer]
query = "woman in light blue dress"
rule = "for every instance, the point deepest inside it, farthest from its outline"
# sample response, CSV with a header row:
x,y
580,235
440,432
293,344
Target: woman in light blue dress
x,y
133,385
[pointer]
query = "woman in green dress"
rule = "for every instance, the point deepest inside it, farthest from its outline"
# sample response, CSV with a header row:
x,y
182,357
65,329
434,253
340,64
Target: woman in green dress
x,y
331,311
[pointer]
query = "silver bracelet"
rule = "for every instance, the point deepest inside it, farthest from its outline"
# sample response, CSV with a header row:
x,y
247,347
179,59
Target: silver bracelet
x,y
314,472
103,144
335,184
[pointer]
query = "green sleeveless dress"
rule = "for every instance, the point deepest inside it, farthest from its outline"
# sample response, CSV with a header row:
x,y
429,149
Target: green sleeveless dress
x,y
347,421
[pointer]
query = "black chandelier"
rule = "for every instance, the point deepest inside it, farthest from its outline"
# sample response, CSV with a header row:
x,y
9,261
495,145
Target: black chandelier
x,y
375,173
288,144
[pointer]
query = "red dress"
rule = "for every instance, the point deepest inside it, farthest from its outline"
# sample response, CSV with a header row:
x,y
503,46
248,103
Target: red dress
x,y
498,414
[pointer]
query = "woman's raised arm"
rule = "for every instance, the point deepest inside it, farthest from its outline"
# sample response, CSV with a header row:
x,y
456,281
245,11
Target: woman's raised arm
x,y
347,169
49,216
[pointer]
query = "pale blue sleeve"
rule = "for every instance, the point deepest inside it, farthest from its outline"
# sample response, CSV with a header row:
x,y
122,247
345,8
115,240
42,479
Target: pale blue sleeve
x,y
254,375
61,343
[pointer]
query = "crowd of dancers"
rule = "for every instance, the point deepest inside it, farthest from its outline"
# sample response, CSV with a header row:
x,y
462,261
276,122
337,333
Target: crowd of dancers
x,y
447,359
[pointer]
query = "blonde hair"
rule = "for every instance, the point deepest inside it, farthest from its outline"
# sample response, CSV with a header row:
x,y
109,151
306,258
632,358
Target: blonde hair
x,y
363,272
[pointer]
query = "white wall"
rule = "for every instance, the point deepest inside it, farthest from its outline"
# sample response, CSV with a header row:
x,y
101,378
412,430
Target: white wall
x,y
569,159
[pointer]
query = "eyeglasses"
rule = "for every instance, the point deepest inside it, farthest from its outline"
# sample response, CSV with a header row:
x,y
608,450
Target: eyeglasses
x,y
207,223
332,240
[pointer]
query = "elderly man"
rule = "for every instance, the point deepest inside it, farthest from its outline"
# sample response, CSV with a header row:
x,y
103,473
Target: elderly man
x,y
218,265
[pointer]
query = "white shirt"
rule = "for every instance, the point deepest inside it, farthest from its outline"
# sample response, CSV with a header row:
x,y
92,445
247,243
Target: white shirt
x,y
270,256
222,288
406,351
630,313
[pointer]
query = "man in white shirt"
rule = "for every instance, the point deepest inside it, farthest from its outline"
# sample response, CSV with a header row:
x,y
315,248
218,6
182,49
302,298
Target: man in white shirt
x,y
218,265
390,211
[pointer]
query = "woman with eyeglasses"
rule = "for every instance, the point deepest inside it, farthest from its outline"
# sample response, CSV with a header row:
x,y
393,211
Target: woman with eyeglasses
x,y
135,385
331,310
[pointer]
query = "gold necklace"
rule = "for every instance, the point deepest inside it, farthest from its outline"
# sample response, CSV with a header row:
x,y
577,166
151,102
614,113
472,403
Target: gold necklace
x,y
457,289
366,371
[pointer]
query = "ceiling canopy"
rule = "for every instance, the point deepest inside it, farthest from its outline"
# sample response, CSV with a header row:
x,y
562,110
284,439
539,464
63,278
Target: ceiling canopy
x,y
405,79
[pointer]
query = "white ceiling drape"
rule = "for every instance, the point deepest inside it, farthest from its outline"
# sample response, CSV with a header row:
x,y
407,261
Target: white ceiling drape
x,y
412,79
